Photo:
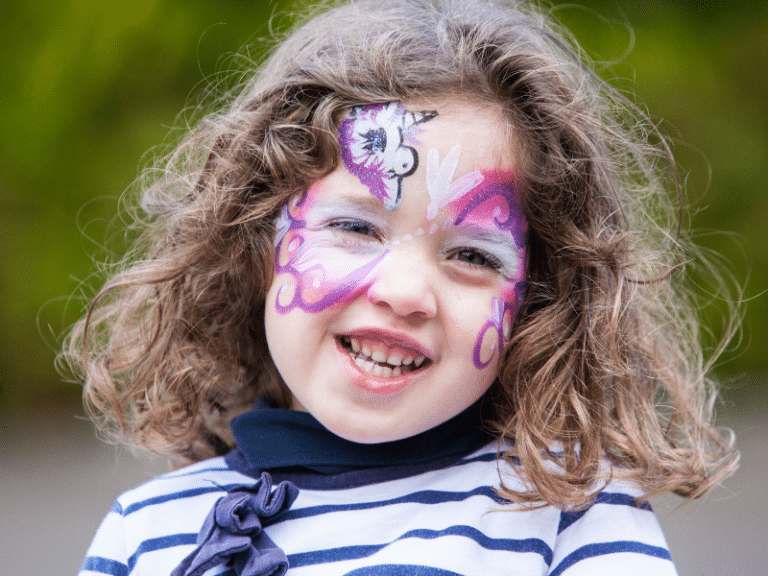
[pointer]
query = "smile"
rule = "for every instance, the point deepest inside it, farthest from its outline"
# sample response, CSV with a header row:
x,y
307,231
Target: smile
x,y
378,359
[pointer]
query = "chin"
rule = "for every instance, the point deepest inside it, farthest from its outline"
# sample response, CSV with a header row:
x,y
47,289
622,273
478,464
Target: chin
x,y
362,432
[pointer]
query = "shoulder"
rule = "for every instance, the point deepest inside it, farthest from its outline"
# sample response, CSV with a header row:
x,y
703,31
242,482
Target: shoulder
x,y
156,524
172,508
616,534
207,477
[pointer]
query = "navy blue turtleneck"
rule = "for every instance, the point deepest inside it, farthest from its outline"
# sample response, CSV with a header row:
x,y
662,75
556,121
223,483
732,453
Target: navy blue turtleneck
x,y
287,441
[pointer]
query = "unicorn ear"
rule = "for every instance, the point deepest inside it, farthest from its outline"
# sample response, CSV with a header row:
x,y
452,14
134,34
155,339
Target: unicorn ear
x,y
413,118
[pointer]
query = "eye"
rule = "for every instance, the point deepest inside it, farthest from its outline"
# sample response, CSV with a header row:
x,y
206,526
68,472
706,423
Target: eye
x,y
477,258
355,227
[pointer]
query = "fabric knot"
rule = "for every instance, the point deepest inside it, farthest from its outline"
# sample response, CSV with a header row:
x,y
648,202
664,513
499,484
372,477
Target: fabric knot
x,y
245,507
232,533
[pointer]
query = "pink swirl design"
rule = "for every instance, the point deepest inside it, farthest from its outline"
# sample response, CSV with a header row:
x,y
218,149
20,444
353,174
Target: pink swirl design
x,y
312,291
496,202
494,323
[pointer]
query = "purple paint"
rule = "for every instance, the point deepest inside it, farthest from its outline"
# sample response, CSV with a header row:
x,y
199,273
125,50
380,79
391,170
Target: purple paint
x,y
495,323
317,282
494,198
374,142
494,203
316,276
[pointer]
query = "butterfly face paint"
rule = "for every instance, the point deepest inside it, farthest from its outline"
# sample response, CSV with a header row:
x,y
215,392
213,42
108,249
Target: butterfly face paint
x,y
495,204
375,147
317,269
398,274
486,203
375,143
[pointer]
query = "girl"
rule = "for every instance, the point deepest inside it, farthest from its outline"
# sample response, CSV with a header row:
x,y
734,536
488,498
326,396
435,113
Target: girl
x,y
427,241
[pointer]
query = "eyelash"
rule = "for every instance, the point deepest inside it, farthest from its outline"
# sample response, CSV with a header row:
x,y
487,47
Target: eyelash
x,y
490,261
354,226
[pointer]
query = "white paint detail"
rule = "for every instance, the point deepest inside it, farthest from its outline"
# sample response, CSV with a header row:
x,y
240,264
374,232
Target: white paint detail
x,y
439,175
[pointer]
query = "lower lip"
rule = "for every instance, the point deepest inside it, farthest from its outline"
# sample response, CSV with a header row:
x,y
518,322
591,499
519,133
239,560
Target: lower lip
x,y
370,383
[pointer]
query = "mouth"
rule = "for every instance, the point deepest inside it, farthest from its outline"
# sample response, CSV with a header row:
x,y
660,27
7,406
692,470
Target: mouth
x,y
379,359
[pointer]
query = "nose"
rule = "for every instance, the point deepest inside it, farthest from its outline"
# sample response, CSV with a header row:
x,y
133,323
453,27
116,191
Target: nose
x,y
406,284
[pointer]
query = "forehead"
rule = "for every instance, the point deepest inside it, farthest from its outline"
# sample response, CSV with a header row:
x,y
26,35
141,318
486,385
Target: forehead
x,y
389,147
481,129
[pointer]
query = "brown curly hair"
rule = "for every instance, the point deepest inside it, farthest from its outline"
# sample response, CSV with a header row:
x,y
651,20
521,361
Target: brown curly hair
x,y
604,361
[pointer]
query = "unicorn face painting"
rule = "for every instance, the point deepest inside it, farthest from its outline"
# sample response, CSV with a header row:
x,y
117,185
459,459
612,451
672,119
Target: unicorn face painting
x,y
374,143
398,275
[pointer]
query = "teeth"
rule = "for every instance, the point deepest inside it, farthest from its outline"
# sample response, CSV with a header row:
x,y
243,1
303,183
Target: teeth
x,y
379,356
377,362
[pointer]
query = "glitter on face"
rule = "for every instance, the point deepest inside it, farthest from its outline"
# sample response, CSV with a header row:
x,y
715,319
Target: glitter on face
x,y
492,205
399,273
375,143
316,275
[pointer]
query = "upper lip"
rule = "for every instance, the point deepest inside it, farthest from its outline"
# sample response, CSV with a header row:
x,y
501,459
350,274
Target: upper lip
x,y
392,338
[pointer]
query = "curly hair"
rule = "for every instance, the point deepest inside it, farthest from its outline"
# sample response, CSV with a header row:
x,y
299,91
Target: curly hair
x,y
604,363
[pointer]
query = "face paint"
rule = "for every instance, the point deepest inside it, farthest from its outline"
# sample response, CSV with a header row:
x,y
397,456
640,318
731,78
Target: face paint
x,y
362,290
492,204
375,146
439,186
479,202
495,329
315,273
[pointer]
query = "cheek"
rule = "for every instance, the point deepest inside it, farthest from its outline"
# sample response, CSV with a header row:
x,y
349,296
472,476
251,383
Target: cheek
x,y
496,328
311,275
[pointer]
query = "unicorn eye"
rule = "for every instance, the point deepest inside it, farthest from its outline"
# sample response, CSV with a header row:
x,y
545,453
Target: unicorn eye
x,y
405,161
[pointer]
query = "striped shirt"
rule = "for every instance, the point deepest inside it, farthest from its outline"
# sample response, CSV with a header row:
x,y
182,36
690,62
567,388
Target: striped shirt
x,y
436,518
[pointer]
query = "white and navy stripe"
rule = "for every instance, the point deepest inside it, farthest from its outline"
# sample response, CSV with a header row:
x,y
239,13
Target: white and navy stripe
x,y
426,522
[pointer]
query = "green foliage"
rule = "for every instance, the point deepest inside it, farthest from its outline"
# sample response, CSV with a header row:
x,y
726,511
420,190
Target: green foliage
x,y
90,86
700,66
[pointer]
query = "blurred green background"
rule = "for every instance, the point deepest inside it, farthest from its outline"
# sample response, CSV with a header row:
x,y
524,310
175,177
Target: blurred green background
x,y
89,87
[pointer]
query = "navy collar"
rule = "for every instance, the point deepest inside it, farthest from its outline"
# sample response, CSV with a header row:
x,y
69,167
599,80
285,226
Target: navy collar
x,y
274,438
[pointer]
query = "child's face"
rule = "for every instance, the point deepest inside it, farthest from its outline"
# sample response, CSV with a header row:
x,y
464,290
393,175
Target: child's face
x,y
397,276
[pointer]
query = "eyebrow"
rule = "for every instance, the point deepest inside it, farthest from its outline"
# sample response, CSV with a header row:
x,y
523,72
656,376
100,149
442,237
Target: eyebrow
x,y
501,244
486,234
369,205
